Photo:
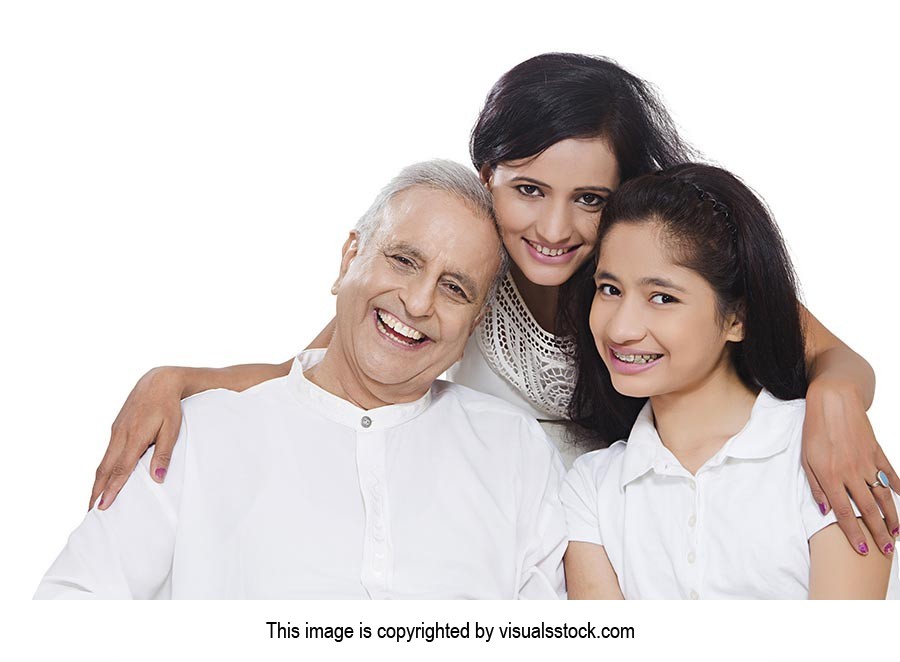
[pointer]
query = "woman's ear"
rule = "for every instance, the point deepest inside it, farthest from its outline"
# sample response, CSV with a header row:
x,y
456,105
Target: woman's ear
x,y
348,253
487,175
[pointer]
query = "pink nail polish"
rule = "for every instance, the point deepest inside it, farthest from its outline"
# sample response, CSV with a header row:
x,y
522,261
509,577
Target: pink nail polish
x,y
823,508
101,502
896,531
863,548
160,472
889,548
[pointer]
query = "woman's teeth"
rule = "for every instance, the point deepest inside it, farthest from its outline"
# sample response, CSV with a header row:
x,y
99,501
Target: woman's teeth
x,y
550,252
636,358
399,327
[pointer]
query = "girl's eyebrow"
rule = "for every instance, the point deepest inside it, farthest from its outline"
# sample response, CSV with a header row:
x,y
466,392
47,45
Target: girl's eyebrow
x,y
655,281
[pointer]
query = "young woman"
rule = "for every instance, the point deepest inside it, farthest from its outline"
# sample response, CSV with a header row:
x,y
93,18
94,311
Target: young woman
x,y
698,351
587,126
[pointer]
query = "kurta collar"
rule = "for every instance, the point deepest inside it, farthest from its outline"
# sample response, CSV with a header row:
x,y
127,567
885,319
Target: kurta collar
x,y
764,435
341,411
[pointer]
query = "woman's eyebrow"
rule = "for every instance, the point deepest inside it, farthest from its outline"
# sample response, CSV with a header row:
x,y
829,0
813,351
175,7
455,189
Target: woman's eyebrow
x,y
658,281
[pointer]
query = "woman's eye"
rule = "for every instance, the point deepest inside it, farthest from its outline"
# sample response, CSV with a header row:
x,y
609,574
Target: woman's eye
x,y
530,190
663,298
609,290
591,200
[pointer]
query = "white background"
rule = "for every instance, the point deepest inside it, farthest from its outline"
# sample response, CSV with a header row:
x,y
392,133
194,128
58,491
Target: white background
x,y
176,180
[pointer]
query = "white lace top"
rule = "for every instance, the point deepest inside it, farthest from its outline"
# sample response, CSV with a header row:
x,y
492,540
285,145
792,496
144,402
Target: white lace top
x,y
510,356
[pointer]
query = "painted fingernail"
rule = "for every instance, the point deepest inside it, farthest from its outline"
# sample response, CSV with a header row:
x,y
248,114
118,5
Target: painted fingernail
x,y
889,549
863,548
101,502
823,508
160,472
896,531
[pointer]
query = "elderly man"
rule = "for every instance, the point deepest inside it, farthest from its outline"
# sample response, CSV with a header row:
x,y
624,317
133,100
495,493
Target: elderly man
x,y
357,475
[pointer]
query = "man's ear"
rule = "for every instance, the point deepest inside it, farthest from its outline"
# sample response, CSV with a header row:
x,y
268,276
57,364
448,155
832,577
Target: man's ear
x,y
348,253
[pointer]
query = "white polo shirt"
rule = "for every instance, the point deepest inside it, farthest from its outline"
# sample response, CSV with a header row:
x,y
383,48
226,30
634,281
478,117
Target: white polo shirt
x,y
739,528
287,491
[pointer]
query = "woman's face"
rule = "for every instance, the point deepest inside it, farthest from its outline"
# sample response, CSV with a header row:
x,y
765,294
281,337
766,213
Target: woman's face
x,y
548,206
656,324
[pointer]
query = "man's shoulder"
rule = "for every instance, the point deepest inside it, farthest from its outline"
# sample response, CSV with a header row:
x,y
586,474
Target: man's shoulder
x,y
473,400
220,402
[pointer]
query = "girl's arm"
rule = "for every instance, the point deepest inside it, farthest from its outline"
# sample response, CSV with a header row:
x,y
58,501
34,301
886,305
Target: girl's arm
x,y
589,574
838,573
152,415
840,453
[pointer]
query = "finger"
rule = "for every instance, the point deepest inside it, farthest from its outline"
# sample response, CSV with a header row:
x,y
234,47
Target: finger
x,y
101,476
884,464
816,489
162,451
123,465
864,499
885,501
846,518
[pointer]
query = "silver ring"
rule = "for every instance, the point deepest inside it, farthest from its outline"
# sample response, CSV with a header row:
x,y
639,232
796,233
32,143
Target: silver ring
x,y
881,480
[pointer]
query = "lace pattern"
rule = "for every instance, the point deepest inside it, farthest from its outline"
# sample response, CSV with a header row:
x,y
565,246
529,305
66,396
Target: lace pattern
x,y
516,348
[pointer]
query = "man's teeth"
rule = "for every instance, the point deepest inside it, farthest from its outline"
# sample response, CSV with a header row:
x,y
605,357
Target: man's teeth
x,y
550,252
389,320
637,358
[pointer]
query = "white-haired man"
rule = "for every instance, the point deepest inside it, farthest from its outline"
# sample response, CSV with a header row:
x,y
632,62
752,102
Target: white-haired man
x,y
357,475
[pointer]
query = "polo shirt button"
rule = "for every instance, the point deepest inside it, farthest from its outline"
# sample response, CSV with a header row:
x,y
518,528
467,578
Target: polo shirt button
x,y
365,421
694,595
693,485
692,520
691,557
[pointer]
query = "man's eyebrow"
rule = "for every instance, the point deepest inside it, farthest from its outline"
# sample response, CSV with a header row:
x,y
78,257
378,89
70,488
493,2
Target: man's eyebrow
x,y
467,282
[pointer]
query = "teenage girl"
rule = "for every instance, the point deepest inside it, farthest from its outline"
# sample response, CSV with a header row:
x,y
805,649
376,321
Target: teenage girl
x,y
557,134
694,350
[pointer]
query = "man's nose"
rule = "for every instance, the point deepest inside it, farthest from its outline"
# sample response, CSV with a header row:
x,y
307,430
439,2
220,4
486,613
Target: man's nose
x,y
418,297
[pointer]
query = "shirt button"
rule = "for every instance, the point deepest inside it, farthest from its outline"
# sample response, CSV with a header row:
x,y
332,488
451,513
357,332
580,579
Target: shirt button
x,y
693,485
694,595
365,421
692,520
691,557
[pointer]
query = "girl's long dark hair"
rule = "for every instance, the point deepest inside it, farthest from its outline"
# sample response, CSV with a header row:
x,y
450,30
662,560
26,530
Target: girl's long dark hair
x,y
717,227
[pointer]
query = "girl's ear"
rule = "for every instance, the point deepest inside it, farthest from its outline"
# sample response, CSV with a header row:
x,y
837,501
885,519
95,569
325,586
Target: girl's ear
x,y
487,174
348,252
734,329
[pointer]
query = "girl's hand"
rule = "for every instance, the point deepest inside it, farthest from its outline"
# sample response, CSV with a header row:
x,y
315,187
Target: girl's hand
x,y
841,458
150,415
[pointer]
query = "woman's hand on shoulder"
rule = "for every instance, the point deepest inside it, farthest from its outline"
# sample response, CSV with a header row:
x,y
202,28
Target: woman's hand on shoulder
x,y
151,415
841,458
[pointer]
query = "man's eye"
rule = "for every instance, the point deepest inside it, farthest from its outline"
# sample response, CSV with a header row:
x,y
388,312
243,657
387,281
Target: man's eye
x,y
609,290
591,200
403,260
530,190
663,298
456,290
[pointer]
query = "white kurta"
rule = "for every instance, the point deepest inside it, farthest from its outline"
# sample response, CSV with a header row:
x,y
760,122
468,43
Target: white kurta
x,y
739,528
286,491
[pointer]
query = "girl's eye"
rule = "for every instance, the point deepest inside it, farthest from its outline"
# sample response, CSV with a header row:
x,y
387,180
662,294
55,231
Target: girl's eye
x,y
591,200
529,190
609,290
663,298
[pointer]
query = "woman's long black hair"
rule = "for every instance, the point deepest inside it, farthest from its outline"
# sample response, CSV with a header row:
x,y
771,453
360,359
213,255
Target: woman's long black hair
x,y
717,227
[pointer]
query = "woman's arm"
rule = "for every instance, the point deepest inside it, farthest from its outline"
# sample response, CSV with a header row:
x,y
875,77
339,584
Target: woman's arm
x,y
589,574
840,453
837,573
152,415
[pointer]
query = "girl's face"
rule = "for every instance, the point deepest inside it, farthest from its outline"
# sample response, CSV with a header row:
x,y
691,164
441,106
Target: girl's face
x,y
548,206
656,324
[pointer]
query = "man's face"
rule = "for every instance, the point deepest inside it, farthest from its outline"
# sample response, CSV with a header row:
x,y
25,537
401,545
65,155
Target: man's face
x,y
409,298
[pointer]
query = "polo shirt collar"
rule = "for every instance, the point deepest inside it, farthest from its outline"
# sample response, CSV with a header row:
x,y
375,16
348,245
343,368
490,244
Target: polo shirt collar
x,y
764,435
343,412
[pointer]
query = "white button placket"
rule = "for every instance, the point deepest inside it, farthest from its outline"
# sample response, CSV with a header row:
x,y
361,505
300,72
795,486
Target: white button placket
x,y
693,540
377,562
